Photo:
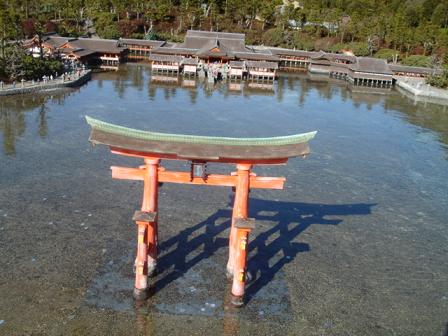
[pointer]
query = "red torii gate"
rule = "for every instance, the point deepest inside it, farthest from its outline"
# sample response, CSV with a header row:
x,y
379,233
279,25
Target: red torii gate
x,y
243,152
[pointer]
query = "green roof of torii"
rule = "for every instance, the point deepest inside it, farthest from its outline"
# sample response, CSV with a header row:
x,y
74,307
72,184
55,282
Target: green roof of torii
x,y
197,139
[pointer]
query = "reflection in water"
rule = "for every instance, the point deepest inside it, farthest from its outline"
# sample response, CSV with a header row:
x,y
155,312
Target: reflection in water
x,y
144,323
372,265
230,322
427,115
13,116
137,76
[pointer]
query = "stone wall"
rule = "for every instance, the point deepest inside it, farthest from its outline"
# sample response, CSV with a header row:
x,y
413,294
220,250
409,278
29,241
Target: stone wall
x,y
54,84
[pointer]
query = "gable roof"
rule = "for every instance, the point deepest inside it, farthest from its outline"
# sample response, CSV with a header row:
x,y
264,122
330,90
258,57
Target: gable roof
x,y
202,40
261,64
165,58
412,69
372,65
236,64
173,51
149,43
190,61
322,55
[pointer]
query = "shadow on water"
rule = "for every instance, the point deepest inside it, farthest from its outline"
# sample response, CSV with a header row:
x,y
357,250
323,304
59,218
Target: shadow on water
x,y
290,218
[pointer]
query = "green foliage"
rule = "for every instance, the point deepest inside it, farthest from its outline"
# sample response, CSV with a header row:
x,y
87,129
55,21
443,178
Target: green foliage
x,y
151,35
106,26
36,68
109,32
445,59
3,70
66,29
273,37
324,43
386,54
338,47
13,61
168,37
440,81
359,48
301,41
17,65
403,25
417,60
139,36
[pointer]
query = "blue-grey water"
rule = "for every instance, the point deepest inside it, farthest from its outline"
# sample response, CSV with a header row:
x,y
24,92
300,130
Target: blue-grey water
x,y
356,243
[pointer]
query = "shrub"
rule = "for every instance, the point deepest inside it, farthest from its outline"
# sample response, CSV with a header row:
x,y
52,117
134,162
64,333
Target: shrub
x,y
325,44
417,60
139,36
66,29
440,81
338,47
273,37
359,48
110,32
36,68
386,54
3,72
168,37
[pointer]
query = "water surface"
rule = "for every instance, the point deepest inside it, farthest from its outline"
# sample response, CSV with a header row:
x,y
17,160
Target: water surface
x,y
356,243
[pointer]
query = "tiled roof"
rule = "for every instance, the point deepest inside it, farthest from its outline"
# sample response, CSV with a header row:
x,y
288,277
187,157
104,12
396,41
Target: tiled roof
x,y
165,58
173,51
256,56
372,65
149,43
207,34
201,39
261,64
236,64
289,52
190,61
411,69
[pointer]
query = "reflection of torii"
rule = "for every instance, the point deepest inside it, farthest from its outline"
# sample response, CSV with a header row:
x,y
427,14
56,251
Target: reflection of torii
x,y
243,152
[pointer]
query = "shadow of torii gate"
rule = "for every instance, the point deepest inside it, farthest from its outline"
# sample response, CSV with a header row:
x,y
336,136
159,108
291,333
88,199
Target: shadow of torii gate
x,y
290,220
244,153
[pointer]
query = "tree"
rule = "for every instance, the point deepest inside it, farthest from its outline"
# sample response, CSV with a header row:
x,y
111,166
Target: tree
x,y
8,28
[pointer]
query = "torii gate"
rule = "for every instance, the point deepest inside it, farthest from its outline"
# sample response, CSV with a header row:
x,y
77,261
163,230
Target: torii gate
x,y
243,152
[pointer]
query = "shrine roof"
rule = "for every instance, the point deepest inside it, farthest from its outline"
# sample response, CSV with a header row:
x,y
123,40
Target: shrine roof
x,y
165,58
262,64
140,42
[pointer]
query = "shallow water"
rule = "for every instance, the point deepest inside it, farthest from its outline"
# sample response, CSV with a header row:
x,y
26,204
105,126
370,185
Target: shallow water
x,y
356,244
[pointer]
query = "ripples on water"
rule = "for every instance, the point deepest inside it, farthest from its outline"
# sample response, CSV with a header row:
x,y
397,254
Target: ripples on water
x,y
355,244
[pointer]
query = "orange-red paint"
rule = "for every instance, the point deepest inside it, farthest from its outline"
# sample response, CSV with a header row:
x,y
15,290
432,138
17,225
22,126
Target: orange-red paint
x,y
256,182
152,174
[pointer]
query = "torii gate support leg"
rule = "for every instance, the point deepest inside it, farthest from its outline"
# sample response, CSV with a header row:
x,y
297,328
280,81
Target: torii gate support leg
x,y
243,227
146,220
237,258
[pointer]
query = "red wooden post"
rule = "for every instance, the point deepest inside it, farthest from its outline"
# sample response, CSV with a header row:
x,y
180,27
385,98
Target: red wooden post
x,y
150,204
141,277
198,150
145,263
240,210
239,276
